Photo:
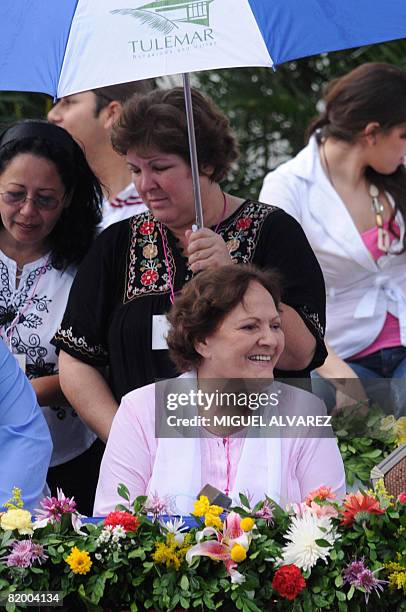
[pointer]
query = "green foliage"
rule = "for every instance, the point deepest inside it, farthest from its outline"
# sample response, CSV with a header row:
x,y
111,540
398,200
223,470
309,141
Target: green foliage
x,y
124,573
18,105
364,441
270,110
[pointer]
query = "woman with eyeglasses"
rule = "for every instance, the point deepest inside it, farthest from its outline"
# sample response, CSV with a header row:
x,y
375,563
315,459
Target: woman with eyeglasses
x,y
50,204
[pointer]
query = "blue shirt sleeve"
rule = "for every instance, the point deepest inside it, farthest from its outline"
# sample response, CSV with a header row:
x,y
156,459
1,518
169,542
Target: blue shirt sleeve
x,y
25,441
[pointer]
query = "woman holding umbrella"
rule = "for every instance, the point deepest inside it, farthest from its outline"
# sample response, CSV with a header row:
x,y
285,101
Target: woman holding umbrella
x,y
114,317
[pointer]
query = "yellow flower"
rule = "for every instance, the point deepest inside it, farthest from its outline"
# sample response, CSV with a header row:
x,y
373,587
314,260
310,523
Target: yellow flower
x,y
16,500
15,518
79,561
215,510
247,524
238,553
400,431
212,520
397,575
202,506
170,553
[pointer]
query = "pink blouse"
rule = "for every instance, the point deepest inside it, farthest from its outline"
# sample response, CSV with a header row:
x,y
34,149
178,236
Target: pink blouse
x,y
306,463
389,335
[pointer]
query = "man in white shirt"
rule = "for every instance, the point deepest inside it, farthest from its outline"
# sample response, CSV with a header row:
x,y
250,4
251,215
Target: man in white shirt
x,y
89,116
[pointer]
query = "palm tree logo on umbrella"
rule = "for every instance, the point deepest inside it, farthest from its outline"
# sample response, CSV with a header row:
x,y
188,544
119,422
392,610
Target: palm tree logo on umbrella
x,y
163,15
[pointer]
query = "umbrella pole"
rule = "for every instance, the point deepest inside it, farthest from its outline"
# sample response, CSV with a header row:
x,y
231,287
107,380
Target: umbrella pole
x,y
193,153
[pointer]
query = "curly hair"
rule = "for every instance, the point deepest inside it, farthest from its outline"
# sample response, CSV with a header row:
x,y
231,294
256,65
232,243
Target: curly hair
x,y
76,228
158,121
204,303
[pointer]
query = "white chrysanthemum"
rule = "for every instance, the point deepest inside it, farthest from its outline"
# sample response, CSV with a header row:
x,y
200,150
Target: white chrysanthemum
x,y
119,532
303,549
175,526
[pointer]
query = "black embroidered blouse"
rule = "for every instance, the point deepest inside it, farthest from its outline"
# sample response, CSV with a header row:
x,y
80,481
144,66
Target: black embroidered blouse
x,y
123,282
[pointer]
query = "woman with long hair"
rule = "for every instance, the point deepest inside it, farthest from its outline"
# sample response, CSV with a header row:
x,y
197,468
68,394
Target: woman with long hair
x,y
49,208
347,189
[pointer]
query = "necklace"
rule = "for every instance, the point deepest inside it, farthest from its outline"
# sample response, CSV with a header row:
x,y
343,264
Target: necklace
x,y
378,208
383,241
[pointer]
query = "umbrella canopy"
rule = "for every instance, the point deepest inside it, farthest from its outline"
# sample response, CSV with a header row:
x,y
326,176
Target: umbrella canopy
x,y
63,47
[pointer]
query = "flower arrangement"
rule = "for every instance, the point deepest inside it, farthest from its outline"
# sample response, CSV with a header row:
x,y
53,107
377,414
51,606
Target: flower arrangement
x,y
317,555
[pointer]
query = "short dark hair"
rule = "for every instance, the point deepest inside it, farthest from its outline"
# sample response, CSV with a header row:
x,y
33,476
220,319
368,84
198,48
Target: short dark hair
x,y
120,92
76,228
204,303
158,121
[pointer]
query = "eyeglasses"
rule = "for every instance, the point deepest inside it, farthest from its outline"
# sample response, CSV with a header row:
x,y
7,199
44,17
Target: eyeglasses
x,y
17,198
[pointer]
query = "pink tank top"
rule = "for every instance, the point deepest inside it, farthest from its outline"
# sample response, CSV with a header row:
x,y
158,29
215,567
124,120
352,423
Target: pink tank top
x,y
389,335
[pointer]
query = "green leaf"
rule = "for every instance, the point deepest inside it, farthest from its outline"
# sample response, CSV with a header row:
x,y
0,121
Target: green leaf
x,y
341,596
322,542
244,500
339,581
123,491
350,593
184,583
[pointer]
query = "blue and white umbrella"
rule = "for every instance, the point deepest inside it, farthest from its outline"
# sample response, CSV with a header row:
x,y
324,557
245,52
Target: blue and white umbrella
x,y
62,47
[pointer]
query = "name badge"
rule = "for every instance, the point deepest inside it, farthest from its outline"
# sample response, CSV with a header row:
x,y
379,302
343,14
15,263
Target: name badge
x,y
21,360
160,328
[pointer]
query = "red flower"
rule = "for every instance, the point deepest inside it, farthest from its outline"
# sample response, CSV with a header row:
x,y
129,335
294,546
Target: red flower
x,y
359,503
402,497
128,521
288,581
149,277
243,223
147,228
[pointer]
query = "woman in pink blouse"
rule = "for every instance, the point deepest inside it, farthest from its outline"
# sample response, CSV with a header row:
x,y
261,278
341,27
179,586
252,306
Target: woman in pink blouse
x,y
224,329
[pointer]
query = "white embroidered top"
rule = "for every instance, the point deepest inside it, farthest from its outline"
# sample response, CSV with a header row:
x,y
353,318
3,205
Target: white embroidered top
x,y
29,317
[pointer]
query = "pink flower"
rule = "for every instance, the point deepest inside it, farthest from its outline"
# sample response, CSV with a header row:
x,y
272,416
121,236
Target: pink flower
x,y
360,577
157,506
326,510
402,497
320,494
53,508
230,545
265,512
24,553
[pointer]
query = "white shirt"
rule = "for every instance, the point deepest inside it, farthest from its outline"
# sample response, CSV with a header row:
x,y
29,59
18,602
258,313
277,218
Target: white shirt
x,y
126,204
40,302
360,291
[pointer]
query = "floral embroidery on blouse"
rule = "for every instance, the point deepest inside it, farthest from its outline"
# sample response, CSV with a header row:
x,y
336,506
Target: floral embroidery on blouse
x,y
241,232
66,337
147,266
313,319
